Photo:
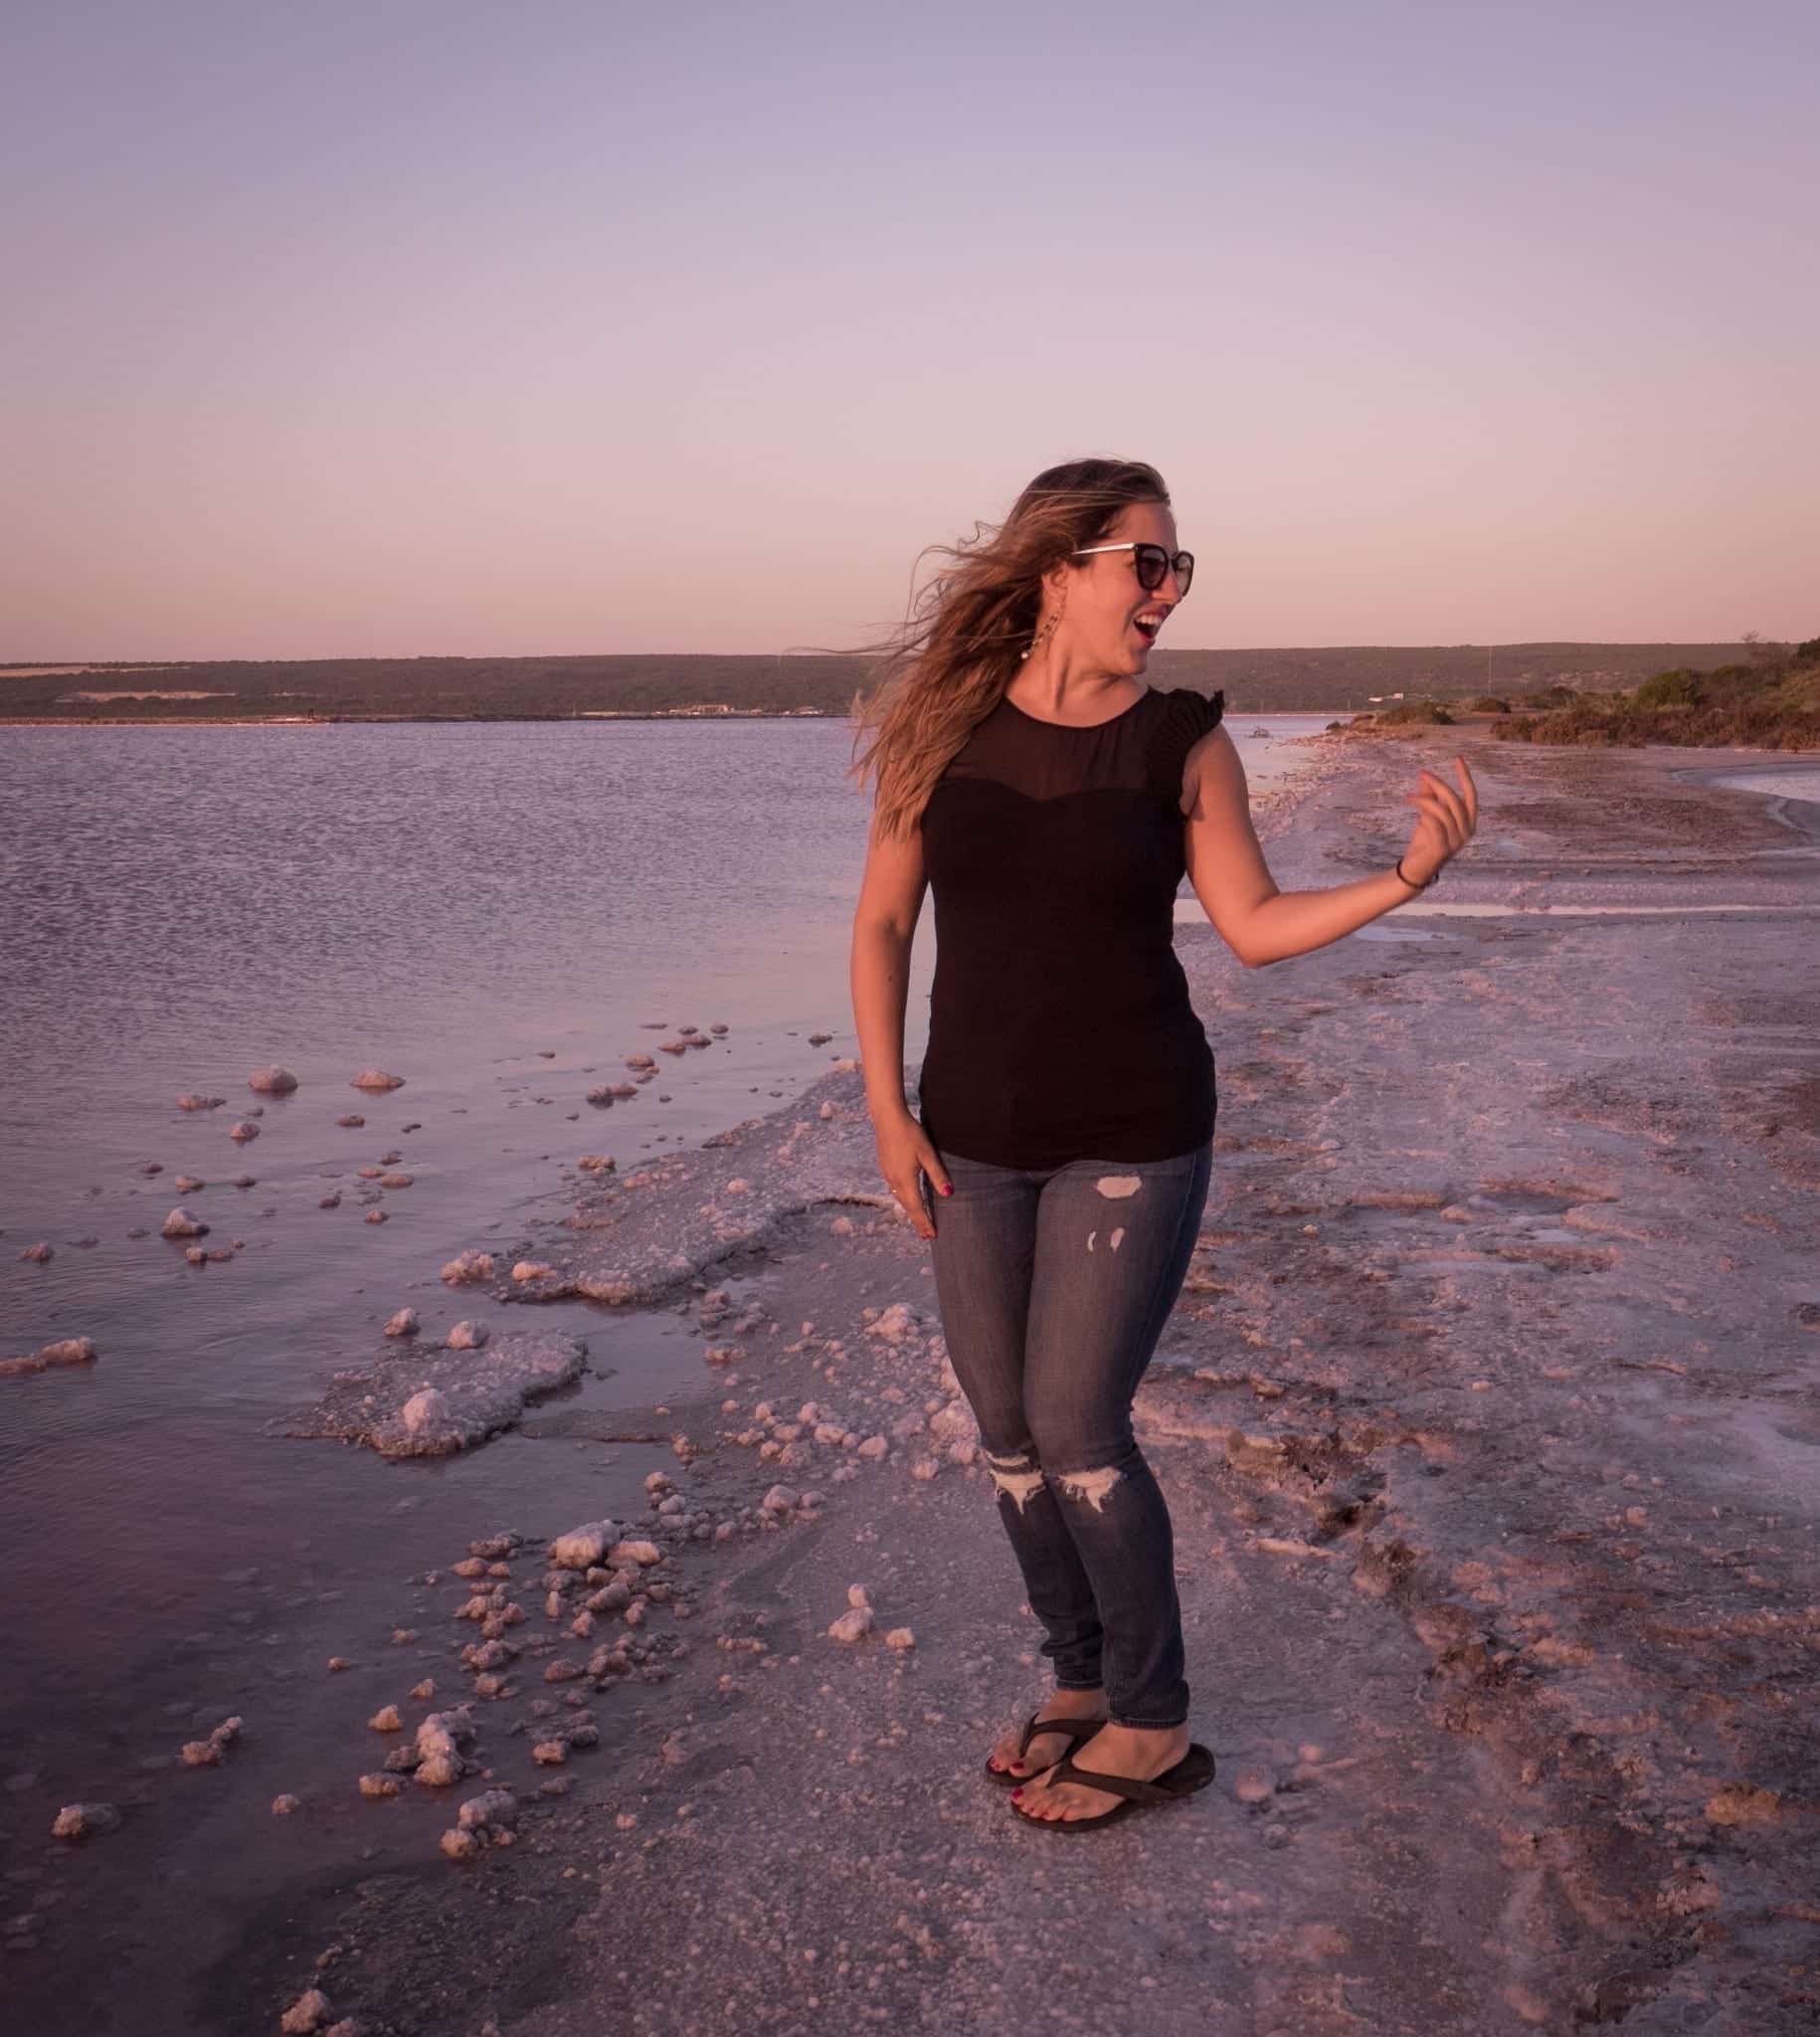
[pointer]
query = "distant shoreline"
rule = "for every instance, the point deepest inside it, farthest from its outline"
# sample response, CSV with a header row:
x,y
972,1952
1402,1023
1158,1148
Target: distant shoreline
x,y
299,693
515,720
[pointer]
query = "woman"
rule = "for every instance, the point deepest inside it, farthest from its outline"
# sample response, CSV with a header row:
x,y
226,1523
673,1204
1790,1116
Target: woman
x,y
1051,802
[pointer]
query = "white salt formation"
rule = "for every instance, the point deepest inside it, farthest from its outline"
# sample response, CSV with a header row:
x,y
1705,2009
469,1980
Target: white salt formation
x,y
67,1350
582,1548
440,1739
857,1622
412,1403
207,1754
468,1267
84,1820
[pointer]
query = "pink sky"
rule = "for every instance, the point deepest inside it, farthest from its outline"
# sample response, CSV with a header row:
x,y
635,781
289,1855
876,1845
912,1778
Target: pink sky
x,y
402,328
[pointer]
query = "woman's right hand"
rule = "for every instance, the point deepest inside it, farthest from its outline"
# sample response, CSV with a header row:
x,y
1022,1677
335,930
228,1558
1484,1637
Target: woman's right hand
x,y
905,1156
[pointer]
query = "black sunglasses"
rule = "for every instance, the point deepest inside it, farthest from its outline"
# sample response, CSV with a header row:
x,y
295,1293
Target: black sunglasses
x,y
1150,563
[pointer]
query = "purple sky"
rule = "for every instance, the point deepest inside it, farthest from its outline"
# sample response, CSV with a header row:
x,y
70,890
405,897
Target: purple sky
x,y
433,326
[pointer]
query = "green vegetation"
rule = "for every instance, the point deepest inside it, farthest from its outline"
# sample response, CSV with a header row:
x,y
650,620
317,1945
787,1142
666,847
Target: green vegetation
x,y
1405,711
1769,702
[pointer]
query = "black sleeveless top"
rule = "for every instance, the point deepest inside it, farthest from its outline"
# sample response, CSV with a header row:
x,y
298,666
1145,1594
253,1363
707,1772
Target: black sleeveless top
x,y
1059,1020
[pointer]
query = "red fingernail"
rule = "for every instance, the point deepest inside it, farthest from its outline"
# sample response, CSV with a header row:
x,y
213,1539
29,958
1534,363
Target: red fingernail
x,y
947,1192
1017,1796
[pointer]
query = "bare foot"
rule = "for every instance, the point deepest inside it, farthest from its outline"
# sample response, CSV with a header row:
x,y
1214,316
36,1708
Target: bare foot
x,y
1046,1748
1114,1751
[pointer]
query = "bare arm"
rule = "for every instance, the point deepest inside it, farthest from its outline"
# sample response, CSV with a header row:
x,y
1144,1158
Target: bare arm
x,y
884,927
1227,866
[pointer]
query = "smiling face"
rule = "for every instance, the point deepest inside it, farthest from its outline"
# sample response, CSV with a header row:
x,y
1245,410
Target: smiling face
x,y
1111,621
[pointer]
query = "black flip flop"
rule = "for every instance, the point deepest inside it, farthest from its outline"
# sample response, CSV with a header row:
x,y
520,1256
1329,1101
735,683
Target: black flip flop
x,y
1193,1771
1078,1732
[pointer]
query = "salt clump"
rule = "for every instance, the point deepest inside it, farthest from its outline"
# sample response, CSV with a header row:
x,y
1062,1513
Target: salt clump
x,y
492,1807
426,1414
857,1622
468,1265
272,1082
377,1079
180,1224
67,1350
403,1324
308,2014
469,1335
207,1754
895,1323
84,1820
583,1547
440,1740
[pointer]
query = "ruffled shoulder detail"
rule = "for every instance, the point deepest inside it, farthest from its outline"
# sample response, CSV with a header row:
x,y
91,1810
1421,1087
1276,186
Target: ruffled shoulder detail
x,y
1184,718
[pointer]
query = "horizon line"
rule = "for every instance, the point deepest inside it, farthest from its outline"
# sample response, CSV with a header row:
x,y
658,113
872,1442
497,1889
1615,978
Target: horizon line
x,y
50,664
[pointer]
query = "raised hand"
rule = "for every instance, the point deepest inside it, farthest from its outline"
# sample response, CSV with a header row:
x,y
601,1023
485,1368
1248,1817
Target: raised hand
x,y
1444,825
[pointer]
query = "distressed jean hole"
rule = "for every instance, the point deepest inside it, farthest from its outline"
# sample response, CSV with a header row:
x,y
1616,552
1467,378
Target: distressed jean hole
x,y
1095,1487
1017,1477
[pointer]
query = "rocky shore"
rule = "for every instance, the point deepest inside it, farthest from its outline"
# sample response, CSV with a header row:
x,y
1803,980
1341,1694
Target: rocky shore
x,y
1488,1421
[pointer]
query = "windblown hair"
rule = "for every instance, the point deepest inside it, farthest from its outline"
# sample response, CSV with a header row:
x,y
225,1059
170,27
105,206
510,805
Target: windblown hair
x,y
966,630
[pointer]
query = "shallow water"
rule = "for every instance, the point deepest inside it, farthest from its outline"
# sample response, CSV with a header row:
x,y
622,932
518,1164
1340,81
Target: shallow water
x,y
1191,911
1790,782
451,902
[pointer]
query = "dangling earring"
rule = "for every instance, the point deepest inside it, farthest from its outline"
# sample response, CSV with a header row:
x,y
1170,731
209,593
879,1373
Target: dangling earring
x,y
1045,632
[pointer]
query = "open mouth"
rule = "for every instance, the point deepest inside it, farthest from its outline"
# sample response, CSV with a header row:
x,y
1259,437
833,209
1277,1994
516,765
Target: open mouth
x,y
1149,623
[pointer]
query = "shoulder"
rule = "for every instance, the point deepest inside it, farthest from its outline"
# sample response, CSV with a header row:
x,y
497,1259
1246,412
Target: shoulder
x,y
1181,718
1187,710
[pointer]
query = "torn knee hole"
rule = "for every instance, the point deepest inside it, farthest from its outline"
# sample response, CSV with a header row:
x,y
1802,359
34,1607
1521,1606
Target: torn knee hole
x,y
1095,1487
1017,1477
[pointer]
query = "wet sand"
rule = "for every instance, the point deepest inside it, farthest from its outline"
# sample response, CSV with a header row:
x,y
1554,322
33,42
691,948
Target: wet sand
x,y
1487,1416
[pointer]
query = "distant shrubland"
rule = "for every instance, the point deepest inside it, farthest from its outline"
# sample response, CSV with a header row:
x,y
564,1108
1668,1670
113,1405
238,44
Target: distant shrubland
x,y
1329,678
1768,701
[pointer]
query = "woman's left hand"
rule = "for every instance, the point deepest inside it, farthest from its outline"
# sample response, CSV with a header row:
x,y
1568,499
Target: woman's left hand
x,y
1445,824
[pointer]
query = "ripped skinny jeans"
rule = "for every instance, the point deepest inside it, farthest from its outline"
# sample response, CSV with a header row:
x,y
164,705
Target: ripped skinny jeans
x,y
1054,1285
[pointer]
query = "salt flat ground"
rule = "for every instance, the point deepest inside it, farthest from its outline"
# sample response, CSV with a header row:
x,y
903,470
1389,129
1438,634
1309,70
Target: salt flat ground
x,y
1488,1420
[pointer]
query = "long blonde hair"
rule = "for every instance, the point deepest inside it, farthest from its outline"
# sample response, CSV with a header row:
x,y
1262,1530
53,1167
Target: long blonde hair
x,y
966,630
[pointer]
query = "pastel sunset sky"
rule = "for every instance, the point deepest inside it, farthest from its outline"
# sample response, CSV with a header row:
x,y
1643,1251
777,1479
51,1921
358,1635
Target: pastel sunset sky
x,y
433,326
